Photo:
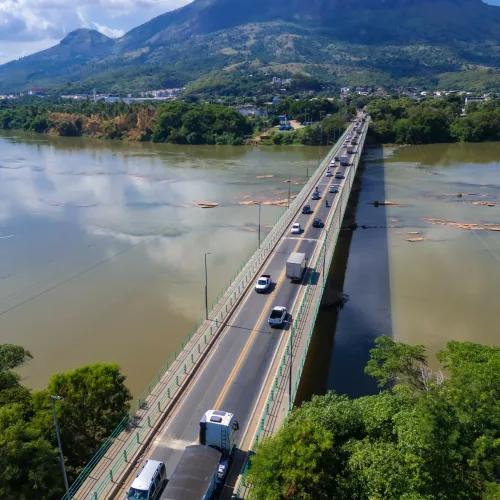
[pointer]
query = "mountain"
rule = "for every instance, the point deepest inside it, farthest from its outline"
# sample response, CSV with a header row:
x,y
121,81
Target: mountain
x,y
339,41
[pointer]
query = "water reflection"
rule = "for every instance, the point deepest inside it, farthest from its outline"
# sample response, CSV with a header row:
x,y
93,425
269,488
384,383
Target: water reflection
x,y
101,246
445,287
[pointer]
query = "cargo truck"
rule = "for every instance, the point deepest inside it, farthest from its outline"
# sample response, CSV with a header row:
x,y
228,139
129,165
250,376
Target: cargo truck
x,y
344,159
295,266
350,149
202,468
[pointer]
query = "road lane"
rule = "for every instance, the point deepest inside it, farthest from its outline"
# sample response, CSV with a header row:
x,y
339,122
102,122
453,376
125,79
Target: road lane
x,y
248,343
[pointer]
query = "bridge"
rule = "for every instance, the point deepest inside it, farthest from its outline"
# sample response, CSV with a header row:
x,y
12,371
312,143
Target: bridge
x,y
233,360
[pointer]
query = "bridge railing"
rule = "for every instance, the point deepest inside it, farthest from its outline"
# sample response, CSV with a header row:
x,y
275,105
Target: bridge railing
x,y
304,316
112,461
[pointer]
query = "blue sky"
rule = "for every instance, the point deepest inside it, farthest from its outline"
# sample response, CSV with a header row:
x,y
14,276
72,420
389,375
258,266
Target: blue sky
x,y
27,26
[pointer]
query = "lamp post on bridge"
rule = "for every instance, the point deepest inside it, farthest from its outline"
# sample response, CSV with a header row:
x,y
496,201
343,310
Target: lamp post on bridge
x,y
289,185
61,455
259,223
206,286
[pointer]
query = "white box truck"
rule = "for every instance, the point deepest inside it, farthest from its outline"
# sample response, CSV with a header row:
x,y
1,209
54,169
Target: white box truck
x,y
344,158
295,266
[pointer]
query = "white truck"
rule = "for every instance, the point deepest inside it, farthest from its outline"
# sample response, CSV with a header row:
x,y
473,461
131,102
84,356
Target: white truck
x,y
202,468
350,149
263,283
344,158
295,266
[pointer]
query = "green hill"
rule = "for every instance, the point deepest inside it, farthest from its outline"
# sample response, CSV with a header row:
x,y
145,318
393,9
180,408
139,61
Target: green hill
x,y
381,42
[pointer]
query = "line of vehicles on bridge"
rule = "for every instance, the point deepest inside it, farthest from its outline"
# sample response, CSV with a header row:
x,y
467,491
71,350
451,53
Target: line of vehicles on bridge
x,y
202,469
201,472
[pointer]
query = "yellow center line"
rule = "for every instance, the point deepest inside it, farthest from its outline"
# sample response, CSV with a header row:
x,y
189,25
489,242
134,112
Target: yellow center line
x,y
265,309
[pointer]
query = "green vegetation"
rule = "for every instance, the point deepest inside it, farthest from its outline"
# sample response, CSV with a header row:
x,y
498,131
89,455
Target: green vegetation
x,y
183,123
178,122
403,121
425,436
94,401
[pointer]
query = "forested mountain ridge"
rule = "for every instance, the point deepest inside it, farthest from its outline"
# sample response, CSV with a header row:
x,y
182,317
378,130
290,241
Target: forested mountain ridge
x,y
343,42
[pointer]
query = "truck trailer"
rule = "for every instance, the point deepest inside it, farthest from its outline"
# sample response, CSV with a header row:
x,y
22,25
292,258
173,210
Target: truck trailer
x,y
196,474
344,158
295,266
202,469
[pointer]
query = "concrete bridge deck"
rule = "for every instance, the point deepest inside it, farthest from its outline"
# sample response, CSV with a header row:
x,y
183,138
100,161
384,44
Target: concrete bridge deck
x,y
234,361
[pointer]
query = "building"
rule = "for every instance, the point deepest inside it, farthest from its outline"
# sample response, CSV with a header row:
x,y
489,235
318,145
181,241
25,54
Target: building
x,y
474,99
276,99
248,110
37,91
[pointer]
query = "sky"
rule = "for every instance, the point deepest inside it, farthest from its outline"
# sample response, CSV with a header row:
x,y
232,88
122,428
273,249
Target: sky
x,y
27,26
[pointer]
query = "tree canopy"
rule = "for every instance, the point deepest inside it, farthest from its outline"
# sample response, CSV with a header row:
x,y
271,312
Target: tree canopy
x,y
403,121
425,437
94,400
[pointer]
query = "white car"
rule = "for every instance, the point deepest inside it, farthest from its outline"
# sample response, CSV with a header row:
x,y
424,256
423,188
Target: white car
x,y
328,173
277,316
263,283
333,189
296,229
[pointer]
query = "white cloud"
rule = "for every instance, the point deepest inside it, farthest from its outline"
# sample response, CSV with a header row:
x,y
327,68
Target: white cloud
x,y
46,21
113,33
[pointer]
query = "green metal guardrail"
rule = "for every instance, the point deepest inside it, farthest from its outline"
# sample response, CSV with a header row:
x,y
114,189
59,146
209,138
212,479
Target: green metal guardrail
x,y
327,243
168,392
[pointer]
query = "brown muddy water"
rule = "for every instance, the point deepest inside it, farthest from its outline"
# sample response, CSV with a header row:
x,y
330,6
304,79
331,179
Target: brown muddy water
x,y
446,287
102,246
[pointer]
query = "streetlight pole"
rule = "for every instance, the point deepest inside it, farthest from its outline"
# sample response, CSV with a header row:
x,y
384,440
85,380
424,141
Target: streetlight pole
x,y
259,224
291,365
61,455
324,257
289,183
206,286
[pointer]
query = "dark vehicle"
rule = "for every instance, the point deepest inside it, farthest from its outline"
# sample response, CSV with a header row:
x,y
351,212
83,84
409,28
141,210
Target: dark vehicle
x,y
339,176
306,209
315,196
317,222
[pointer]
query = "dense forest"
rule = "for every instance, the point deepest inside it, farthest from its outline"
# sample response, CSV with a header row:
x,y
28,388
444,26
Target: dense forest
x,y
188,121
426,435
94,400
403,121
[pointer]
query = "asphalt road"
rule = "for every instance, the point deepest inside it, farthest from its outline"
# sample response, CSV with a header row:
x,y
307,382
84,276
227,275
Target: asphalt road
x,y
235,371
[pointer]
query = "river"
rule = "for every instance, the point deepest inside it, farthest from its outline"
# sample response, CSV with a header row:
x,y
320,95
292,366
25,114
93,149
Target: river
x,y
102,250
445,287
102,246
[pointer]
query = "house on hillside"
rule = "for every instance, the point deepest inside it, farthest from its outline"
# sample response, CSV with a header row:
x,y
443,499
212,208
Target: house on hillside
x,y
475,99
248,110
276,99
37,91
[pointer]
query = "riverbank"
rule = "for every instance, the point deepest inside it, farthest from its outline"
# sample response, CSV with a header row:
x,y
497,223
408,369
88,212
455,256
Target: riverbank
x,y
176,122
434,120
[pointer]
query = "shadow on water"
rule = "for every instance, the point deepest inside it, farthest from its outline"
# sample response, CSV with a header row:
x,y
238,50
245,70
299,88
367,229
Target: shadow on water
x,y
342,338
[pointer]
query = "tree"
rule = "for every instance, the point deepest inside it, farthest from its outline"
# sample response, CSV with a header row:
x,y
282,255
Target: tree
x,y
12,357
419,441
29,463
94,401
390,361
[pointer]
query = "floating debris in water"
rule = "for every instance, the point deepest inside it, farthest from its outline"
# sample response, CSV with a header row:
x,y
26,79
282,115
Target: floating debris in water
x,y
206,204
377,203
